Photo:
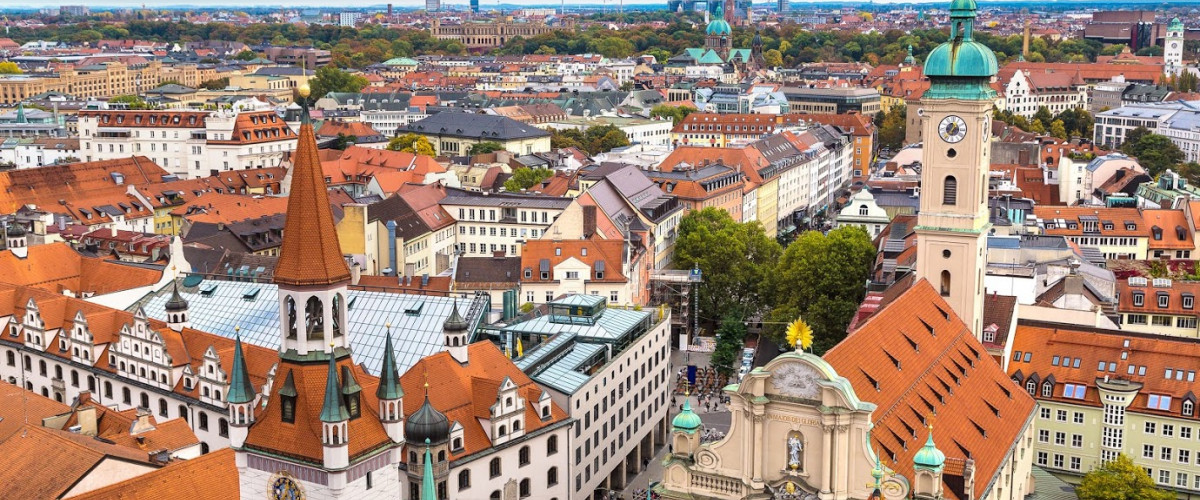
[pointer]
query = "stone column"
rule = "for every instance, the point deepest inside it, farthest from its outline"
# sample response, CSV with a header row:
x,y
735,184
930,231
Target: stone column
x,y
826,439
758,438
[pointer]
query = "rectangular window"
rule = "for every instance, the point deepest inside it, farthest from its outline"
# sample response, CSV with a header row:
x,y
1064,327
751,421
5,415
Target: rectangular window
x,y
1150,428
1045,413
1058,461
1147,451
1060,438
1075,463
1168,430
1164,476
1043,436
572,275
1185,456
1042,458
1078,417
1077,440
1061,415
1185,432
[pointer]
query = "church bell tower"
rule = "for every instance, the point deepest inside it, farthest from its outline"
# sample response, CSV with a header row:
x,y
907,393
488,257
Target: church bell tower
x,y
956,119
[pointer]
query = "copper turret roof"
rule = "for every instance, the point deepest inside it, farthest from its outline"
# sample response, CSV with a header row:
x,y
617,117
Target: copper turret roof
x,y
310,254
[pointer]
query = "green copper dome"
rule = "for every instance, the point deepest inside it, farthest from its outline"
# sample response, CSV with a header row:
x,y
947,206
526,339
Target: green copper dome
x,y
965,7
718,26
961,59
1175,25
687,420
929,456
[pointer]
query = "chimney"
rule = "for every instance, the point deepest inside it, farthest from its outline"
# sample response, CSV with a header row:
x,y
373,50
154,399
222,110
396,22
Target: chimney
x,y
410,270
143,423
589,220
86,420
355,273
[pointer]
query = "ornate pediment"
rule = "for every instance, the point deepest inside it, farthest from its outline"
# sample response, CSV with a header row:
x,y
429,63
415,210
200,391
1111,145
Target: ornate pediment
x,y
797,380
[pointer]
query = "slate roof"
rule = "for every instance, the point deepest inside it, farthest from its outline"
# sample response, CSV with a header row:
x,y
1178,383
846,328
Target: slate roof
x,y
474,126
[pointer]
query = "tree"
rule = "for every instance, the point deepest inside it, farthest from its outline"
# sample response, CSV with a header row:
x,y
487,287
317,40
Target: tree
x,y
1037,127
331,79
736,259
1154,152
731,336
675,113
820,279
130,101
893,127
246,55
602,138
1043,115
485,147
215,84
773,58
525,178
10,68
1057,129
412,143
566,138
1120,479
344,141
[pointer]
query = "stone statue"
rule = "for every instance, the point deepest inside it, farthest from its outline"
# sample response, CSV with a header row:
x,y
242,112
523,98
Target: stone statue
x,y
794,448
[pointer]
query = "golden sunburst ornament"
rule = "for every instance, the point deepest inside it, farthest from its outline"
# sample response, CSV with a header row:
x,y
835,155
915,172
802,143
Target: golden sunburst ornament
x,y
799,334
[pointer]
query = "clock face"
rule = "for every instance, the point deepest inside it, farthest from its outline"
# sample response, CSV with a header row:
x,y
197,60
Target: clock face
x,y
284,488
952,129
1174,45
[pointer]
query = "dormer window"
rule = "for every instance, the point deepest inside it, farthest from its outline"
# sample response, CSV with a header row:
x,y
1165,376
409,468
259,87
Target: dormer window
x,y
1163,299
1139,299
1188,301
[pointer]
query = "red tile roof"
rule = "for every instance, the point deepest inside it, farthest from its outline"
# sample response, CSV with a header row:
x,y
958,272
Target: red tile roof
x,y
465,393
310,253
589,251
215,474
56,267
48,463
948,380
256,127
1053,349
46,186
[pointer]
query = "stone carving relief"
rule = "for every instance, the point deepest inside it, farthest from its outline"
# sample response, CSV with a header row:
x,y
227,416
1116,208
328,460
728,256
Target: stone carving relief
x,y
797,380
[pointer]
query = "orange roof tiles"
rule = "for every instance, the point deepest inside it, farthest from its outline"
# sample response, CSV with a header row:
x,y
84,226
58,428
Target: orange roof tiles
x,y
32,407
331,128
255,127
56,267
1053,349
465,393
47,463
310,253
45,186
215,208
1118,217
215,474
947,374
1168,229
1150,298
147,118
301,439
588,251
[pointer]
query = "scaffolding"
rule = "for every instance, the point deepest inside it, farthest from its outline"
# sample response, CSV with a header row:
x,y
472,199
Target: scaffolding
x,y
679,288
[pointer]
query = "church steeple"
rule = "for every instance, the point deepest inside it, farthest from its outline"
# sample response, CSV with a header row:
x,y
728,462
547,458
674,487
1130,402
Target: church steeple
x,y
334,422
311,273
952,223
428,484
456,332
177,309
389,393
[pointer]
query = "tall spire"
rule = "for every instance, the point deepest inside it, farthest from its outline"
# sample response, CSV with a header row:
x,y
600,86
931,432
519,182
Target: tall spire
x,y
240,389
428,488
310,253
389,377
333,410
21,113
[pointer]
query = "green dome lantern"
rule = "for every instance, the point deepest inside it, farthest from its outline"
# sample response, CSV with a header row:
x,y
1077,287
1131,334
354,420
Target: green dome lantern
x,y
929,456
719,26
687,420
1175,25
961,68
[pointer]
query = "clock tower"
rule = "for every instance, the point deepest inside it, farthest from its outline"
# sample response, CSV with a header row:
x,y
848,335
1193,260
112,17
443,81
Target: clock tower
x,y
956,120
1173,48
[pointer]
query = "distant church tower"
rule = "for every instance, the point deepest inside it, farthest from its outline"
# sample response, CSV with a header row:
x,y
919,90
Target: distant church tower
x,y
1173,48
718,33
953,222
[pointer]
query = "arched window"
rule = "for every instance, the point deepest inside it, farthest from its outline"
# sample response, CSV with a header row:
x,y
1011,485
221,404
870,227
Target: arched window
x,y
494,467
1188,408
456,444
441,456
291,315
107,389
523,456
223,427
1031,386
203,421
337,315
126,397
950,191
525,488
551,445
495,495
464,479
546,411
945,283
516,425
11,358
862,210
183,413
162,407
203,448
1047,389
552,476
314,319
145,400
503,430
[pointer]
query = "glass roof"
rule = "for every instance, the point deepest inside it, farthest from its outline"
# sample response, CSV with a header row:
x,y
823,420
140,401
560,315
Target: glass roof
x,y
255,308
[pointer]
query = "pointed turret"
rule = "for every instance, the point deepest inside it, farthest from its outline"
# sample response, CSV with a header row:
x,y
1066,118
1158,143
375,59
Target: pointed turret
x,y
390,394
455,329
334,422
310,253
332,410
21,111
428,485
177,309
240,396
685,430
240,388
909,60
